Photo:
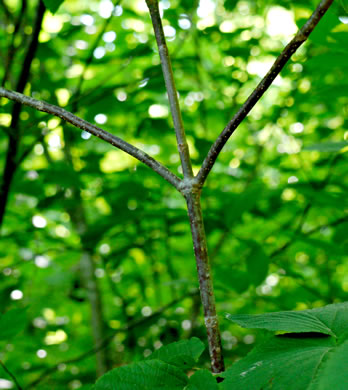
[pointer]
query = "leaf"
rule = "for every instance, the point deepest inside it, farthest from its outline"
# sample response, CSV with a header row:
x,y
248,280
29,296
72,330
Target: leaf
x,y
202,380
328,23
233,278
239,204
340,235
327,146
326,246
322,197
276,363
182,354
344,4
12,322
257,263
334,374
145,375
53,5
62,174
328,320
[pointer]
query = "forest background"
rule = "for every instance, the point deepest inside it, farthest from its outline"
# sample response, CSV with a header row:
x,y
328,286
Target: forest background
x,y
95,247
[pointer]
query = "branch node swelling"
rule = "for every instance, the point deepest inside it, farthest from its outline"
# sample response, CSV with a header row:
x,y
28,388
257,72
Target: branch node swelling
x,y
189,186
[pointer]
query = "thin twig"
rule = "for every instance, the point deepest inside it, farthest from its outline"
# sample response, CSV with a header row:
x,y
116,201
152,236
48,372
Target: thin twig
x,y
171,88
10,374
258,92
98,132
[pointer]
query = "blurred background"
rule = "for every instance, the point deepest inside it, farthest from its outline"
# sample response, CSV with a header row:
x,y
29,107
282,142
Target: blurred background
x,y
95,248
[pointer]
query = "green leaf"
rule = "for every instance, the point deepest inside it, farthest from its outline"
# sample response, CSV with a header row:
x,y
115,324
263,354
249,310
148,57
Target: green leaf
x,y
334,373
322,197
238,204
61,173
326,246
202,380
53,5
276,363
330,320
328,23
340,235
145,375
232,278
257,264
279,363
327,146
183,354
12,322
344,4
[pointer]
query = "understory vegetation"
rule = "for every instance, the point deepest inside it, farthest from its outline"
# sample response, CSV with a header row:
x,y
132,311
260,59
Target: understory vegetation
x,y
173,194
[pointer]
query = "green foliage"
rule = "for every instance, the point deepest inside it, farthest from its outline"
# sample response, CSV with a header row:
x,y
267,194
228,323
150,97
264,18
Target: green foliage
x,y
202,380
327,146
274,205
163,369
344,4
53,5
330,320
312,356
146,375
11,323
257,263
183,354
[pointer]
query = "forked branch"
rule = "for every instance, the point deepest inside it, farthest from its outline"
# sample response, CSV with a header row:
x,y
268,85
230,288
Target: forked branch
x,y
192,193
258,92
98,132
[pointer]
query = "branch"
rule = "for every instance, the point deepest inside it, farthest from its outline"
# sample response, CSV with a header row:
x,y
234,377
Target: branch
x,y
171,88
9,373
264,84
98,132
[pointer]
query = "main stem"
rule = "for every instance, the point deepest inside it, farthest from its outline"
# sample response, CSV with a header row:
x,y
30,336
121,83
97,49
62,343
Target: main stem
x,y
192,193
194,208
